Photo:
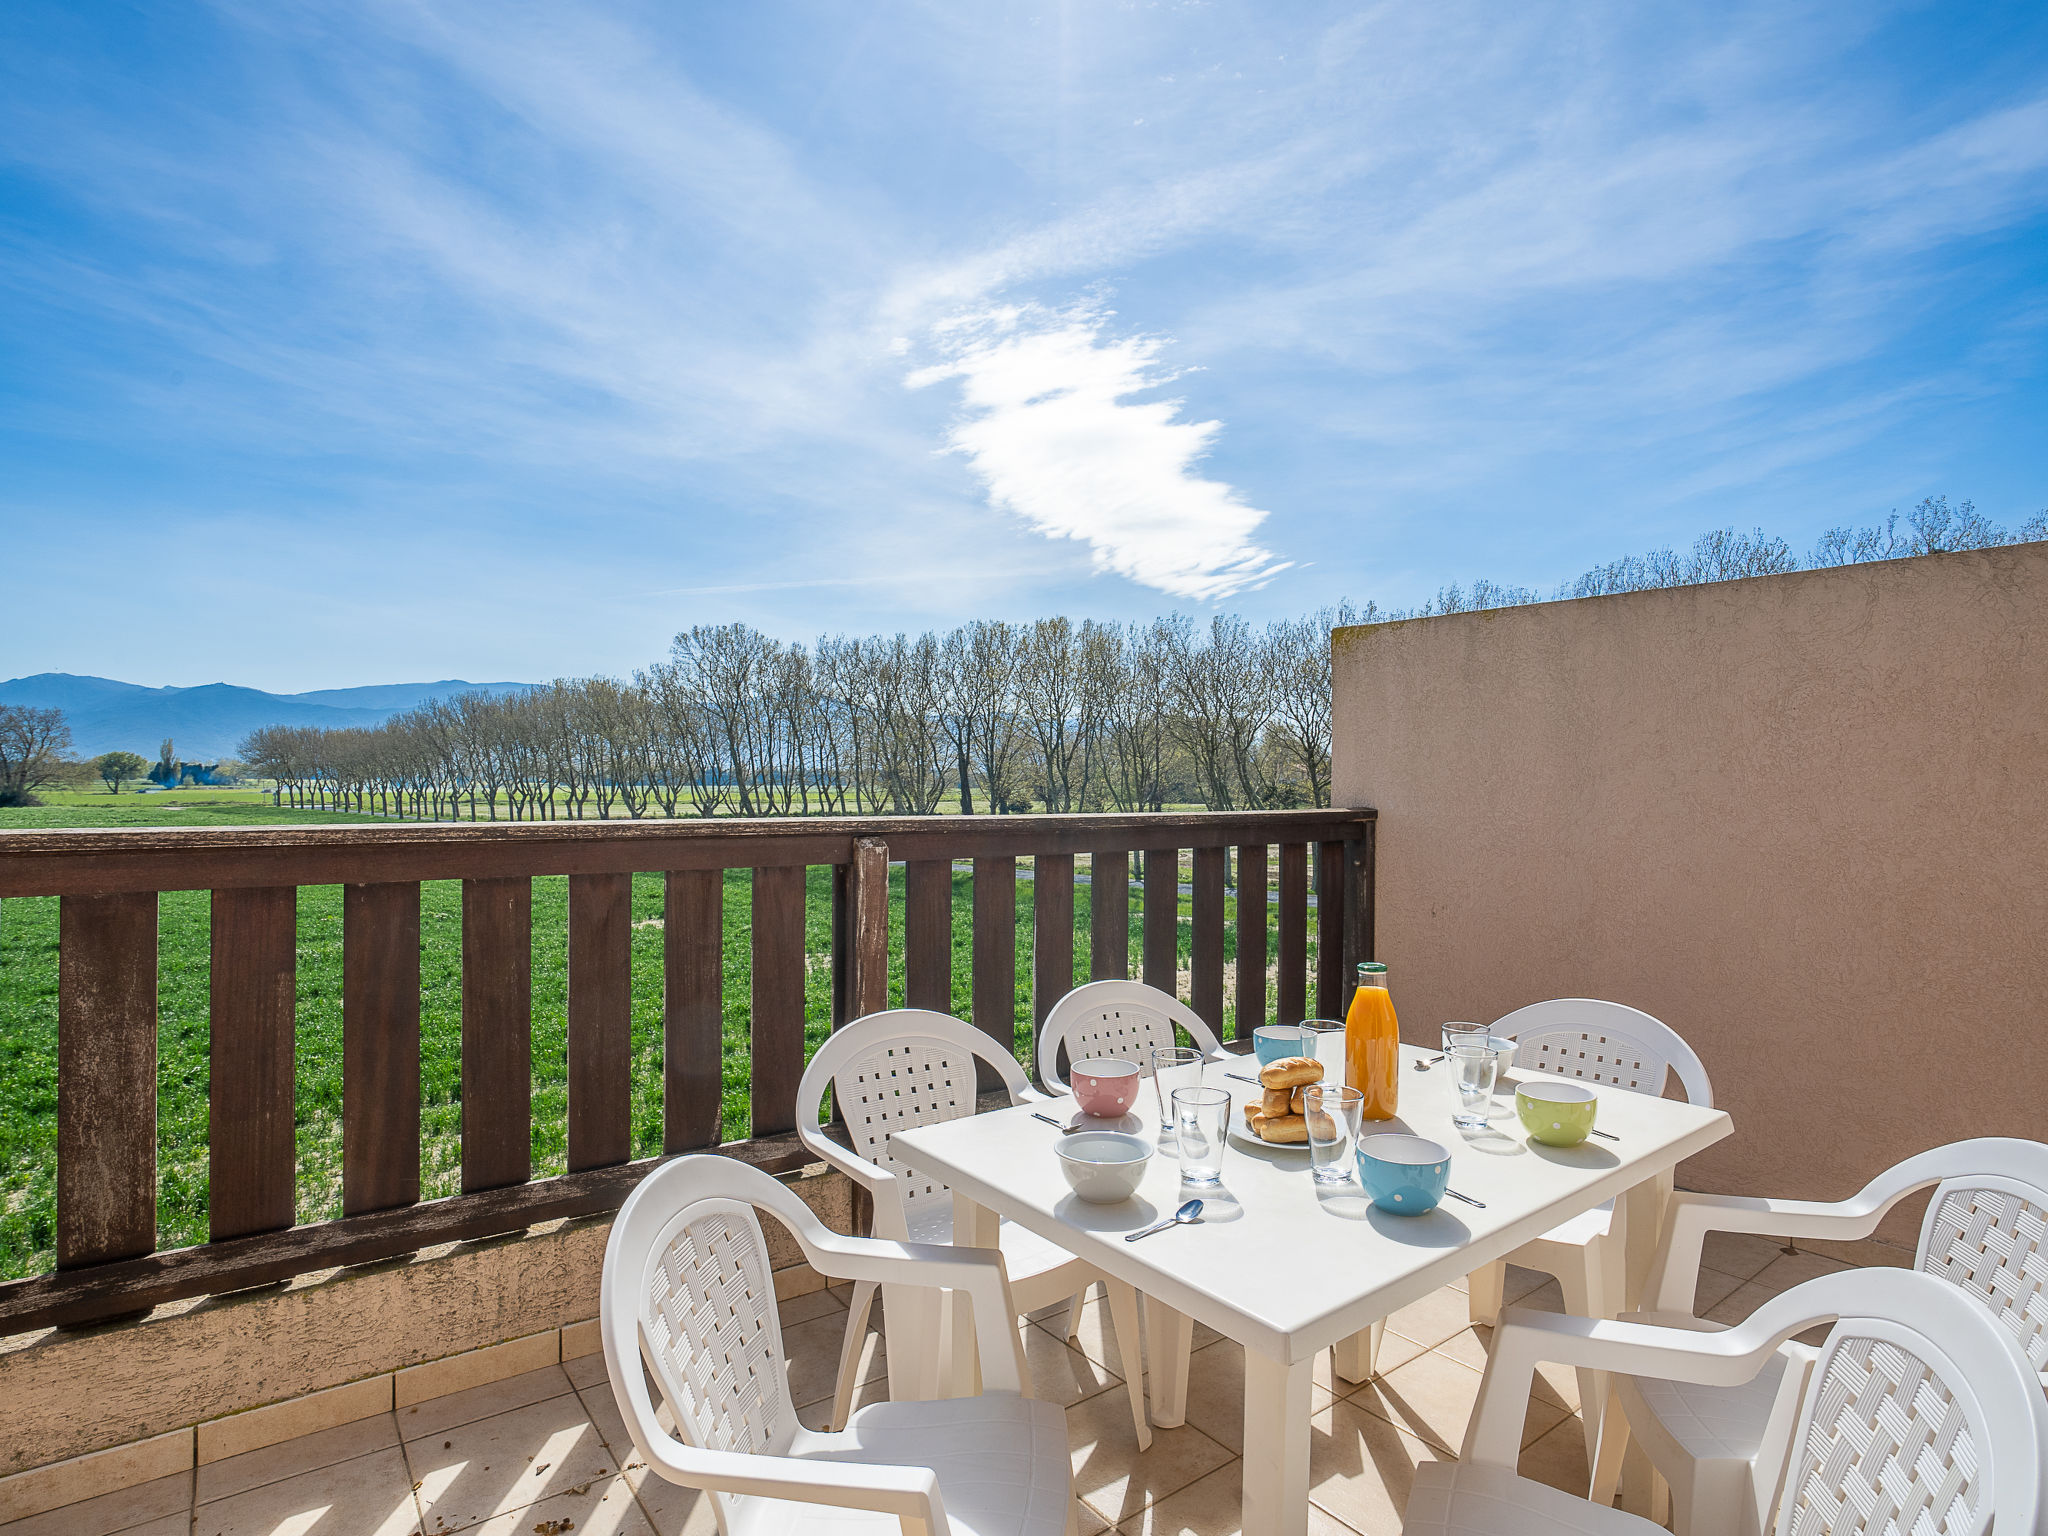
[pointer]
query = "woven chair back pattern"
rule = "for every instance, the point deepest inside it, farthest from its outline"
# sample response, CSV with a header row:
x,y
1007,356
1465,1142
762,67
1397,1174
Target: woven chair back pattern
x,y
1126,1031
904,1083
1616,1060
1886,1447
1989,1242
711,1322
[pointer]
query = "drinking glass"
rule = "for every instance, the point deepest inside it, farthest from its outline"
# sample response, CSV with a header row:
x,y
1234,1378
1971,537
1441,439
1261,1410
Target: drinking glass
x,y
1453,1033
1201,1117
1333,1112
1475,1064
1325,1043
1174,1066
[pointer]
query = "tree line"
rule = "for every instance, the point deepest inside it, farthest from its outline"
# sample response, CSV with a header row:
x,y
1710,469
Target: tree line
x,y
993,716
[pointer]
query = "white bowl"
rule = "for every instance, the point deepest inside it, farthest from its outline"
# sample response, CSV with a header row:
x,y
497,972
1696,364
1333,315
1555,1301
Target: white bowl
x,y
1103,1167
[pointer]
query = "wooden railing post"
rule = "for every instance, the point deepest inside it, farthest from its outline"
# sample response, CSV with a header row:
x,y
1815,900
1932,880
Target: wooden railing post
x,y
106,1078
600,1020
380,1046
928,934
1162,920
497,1033
870,927
252,1160
1052,934
1292,993
1205,958
1250,1011
1333,991
1109,916
995,956
1358,899
693,1010
777,1062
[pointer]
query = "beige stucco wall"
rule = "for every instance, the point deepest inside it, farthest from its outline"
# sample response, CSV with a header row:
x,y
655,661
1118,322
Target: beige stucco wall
x,y
63,1393
1803,819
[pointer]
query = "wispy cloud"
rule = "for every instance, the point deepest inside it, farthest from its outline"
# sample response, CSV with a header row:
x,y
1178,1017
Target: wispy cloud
x,y
1052,430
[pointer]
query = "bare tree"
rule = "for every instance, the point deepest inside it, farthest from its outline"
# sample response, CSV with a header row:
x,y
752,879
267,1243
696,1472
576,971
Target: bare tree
x,y
32,746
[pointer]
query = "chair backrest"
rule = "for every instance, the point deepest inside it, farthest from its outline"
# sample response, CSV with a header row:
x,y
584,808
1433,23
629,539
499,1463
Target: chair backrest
x,y
1607,1043
894,1070
1921,1415
1984,1231
1116,1018
687,1288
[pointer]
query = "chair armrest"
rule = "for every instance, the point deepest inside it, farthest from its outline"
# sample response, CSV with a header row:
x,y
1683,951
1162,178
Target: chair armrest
x,y
1724,1358
879,1182
979,1272
909,1493
1688,1218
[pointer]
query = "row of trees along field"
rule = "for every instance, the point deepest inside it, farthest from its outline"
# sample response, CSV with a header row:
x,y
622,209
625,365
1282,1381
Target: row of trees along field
x,y
1001,717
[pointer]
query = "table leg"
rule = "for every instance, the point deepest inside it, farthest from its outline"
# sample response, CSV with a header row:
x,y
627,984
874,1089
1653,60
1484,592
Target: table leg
x,y
1168,1333
1353,1358
1645,1206
1276,1414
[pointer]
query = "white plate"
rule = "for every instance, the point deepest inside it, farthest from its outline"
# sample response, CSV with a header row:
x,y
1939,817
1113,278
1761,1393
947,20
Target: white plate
x,y
1244,1136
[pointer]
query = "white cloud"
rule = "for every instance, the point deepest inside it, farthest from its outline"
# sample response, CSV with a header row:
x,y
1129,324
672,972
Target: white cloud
x,y
1053,433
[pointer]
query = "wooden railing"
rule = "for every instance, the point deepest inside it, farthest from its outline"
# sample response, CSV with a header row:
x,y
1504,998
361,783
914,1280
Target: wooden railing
x,y
108,882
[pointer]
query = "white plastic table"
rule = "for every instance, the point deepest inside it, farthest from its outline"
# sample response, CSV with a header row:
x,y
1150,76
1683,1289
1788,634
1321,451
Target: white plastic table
x,y
1287,1270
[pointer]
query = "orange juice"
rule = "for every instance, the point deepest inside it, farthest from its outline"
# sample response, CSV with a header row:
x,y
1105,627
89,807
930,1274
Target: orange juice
x,y
1372,1043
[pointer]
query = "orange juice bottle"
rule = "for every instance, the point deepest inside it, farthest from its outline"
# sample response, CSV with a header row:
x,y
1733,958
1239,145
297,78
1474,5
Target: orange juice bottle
x,y
1372,1043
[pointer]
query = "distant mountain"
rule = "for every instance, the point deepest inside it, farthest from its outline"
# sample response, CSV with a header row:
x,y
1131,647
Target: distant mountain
x,y
208,722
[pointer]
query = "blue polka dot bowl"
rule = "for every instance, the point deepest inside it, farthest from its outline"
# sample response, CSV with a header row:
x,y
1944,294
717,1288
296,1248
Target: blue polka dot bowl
x,y
1405,1175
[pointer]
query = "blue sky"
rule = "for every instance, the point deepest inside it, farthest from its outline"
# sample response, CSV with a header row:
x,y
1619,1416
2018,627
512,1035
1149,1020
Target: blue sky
x,y
360,342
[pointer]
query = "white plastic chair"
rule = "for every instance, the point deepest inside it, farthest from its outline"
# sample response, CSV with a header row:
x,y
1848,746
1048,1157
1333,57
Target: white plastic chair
x,y
1615,1046
1130,1020
687,1295
1922,1415
1116,1018
911,1066
1984,1233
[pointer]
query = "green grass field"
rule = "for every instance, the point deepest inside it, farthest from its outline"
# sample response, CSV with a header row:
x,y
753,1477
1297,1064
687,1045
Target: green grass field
x,y
28,1020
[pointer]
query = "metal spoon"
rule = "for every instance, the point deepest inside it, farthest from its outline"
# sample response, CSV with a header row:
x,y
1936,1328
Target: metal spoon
x,y
1239,1077
1604,1135
1466,1198
1191,1212
1424,1066
1060,1126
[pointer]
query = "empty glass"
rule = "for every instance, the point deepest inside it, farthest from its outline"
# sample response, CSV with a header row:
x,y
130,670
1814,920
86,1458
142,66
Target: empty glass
x,y
1453,1033
1201,1118
1326,1044
1333,1112
1474,1064
1174,1066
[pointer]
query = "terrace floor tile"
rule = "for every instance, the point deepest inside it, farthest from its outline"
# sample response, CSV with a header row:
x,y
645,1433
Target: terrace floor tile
x,y
122,1510
368,1496
475,1472
438,1414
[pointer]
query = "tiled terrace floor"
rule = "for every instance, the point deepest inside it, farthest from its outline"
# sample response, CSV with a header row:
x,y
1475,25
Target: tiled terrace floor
x,y
546,1453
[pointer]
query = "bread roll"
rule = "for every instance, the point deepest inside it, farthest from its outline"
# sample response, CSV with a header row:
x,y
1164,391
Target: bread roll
x,y
1278,1101
1291,1072
1281,1128
1298,1104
